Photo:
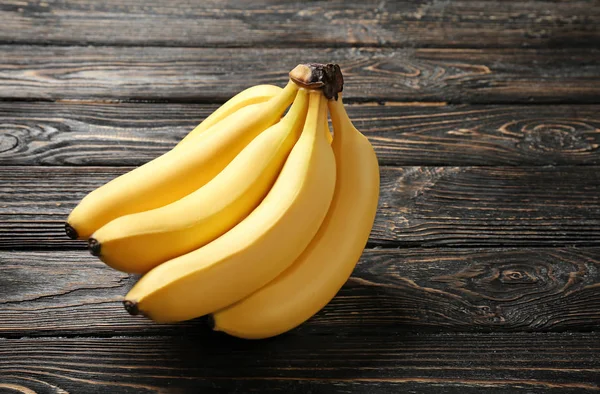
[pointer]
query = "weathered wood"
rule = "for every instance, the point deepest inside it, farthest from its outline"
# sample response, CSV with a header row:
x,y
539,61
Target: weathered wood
x,y
201,75
442,363
321,23
419,206
413,319
411,134
468,206
541,289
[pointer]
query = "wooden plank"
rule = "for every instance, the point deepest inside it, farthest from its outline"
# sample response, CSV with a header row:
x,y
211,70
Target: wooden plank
x,y
412,134
419,206
320,23
441,363
473,206
408,290
201,74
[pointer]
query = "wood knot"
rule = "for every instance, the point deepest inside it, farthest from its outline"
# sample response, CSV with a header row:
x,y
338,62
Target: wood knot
x,y
489,314
513,276
503,281
8,142
560,136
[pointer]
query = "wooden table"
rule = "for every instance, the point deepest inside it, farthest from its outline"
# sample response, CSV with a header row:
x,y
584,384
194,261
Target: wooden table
x,y
482,273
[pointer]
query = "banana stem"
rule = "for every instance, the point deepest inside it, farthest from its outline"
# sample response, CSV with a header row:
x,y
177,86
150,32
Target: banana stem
x,y
327,77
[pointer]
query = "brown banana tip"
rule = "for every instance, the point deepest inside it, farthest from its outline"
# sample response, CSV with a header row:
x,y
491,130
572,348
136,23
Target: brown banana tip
x,y
131,307
210,322
71,232
94,247
327,77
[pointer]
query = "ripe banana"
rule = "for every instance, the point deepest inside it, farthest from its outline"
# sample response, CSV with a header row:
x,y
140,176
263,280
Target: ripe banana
x,y
178,172
138,242
259,248
327,131
253,95
318,274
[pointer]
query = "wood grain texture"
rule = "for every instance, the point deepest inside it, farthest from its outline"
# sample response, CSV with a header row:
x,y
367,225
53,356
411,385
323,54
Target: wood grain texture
x,y
410,290
483,267
201,75
419,206
318,23
442,363
474,206
102,134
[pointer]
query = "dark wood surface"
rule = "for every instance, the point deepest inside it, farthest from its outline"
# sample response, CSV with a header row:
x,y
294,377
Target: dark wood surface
x,y
318,23
418,206
403,134
456,75
409,290
384,363
482,272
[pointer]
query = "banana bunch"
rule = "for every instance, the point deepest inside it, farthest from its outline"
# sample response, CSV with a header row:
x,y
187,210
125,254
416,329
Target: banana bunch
x,y
256,218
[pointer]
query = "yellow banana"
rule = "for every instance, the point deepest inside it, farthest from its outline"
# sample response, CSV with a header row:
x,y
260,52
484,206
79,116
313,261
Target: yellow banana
x,y
328,131
259,248
253,95
178,172
141,241
318,274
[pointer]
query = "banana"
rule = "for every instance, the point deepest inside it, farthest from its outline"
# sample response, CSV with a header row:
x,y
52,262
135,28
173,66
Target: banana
x,y
138,242
328,131
253,95
178,172
259,248
318,274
